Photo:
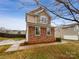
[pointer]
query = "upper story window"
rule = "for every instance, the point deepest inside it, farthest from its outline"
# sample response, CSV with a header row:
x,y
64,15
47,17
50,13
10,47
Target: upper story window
x,y
43,19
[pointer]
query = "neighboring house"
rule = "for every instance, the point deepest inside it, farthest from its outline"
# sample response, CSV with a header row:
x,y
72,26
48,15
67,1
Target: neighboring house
x,y
3,30
38,27
70,32
16,31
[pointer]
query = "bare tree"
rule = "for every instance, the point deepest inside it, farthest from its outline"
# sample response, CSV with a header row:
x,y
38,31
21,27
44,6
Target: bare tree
x,y
65,9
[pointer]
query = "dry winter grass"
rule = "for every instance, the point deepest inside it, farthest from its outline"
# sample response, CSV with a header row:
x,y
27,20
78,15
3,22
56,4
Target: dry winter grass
x,y
3,48
62,51
2,38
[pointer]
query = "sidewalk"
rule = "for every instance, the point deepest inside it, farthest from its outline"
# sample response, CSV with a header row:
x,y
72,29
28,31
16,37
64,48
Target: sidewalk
x,y
17,46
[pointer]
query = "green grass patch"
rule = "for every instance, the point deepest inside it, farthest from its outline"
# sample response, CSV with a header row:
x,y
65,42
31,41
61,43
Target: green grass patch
x,y
62,51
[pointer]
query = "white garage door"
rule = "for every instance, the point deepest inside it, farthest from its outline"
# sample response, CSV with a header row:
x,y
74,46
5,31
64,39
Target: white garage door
x,y
71,37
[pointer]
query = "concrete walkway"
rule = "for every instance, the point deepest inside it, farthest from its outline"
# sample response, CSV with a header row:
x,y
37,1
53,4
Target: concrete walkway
x,y
17,46
7,42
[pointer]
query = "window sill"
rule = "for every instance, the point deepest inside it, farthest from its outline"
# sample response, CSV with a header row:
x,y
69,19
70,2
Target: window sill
x,y
37,35
49,35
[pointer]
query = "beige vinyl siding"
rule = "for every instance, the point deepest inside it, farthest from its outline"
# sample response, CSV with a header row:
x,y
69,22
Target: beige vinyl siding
x,y
31,19
35,19
45,14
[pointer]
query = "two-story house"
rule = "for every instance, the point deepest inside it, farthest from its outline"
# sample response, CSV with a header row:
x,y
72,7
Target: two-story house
x,y
38,27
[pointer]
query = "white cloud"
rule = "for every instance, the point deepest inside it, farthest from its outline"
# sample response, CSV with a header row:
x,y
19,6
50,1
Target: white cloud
x,y
52,24
12,23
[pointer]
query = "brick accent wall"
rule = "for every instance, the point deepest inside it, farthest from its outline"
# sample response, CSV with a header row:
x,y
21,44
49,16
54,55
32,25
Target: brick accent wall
x,y
43,38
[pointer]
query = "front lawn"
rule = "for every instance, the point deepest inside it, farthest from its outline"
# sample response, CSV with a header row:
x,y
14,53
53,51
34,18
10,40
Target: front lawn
x,y
62,51
3,48
3,38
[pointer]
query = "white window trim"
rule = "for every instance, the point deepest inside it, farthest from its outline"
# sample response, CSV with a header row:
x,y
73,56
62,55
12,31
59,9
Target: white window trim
x,y
47,31
39,31
43,22
76,28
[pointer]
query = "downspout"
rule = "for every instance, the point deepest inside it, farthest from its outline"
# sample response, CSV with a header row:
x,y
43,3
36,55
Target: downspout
x,y
26,40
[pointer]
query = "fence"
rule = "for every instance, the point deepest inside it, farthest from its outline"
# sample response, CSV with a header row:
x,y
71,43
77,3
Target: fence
x,y
12,35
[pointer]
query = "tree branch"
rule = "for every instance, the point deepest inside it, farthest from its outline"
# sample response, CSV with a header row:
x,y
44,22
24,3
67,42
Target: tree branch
x,y
53,12
73,6
76,11
58,15
68,7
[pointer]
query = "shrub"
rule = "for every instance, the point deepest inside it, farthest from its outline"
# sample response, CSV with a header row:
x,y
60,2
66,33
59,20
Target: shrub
x,y
24,44
58,39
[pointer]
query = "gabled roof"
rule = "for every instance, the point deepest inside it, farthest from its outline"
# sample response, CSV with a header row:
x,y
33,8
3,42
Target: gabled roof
x,y
35,10
38,10
69,25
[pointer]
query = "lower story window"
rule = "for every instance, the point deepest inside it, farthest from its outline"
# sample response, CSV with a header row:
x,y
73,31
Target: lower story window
x,y
37,30
48,31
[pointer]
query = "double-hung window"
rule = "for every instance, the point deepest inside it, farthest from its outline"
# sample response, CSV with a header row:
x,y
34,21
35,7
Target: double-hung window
x,y
48,31
37,31
43,19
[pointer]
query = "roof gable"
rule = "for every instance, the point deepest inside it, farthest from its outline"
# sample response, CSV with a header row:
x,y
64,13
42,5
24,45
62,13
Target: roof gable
x,y
38,11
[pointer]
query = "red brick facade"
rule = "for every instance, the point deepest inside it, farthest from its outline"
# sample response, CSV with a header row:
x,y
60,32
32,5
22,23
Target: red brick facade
x,y
43,38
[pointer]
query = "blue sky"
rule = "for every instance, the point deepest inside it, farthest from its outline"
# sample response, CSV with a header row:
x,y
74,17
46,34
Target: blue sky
x,y
12,13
